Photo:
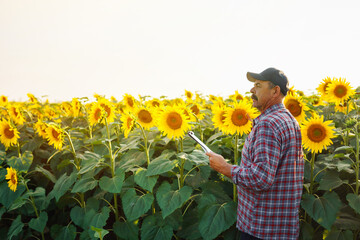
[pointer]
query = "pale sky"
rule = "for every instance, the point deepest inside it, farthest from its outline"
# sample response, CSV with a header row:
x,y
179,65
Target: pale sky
x,y
71,48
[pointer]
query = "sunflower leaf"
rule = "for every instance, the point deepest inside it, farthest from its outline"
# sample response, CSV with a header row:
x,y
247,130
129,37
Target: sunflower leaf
x,y
161,164
134,205
62,185
113,185
354,201
39,223
85,184
21,163
15,228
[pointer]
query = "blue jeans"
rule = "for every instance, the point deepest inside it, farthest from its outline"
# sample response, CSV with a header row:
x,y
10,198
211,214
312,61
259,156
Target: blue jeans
x,y
245,236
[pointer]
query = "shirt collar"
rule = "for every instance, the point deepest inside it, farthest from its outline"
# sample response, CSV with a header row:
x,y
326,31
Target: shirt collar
x,y
268,111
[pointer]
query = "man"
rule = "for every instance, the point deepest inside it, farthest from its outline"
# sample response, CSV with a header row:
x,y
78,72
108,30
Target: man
x,y
270,177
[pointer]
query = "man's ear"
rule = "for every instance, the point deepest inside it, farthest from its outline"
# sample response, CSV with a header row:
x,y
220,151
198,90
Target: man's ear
x,y
277,91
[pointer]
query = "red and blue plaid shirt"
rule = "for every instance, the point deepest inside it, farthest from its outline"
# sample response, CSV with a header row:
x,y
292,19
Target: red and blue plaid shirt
x,y
270,177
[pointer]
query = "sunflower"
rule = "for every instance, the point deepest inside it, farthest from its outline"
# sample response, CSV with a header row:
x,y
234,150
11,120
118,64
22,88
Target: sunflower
x,y
345,107
128,123
339,91
75,107
109,109
9,135
16,115
3,100
32,98
95,114
323,86
145,117
153,103
316,134
296,106
196,109
315,100
55,136
238,118
173,123
12,177
219,119
189,95
49,112
129,102
40,128
236,97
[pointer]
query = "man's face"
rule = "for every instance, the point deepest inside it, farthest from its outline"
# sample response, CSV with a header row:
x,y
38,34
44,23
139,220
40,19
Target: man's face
x,y
261,94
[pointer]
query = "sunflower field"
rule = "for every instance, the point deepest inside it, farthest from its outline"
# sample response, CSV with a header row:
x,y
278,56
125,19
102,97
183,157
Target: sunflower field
x,y
126,169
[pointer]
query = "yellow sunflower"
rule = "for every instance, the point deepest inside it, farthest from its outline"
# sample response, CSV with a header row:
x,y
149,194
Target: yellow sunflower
x,y
128,123
218,119
9,135
316,134
236,97
323,86
109,109
345,107
32,98
16,115
315,100
55,136
11,175
173,123
189,95
129,102
75,107
145,117
296,106
95,113
40,128
154,103
339,91
196,109
3,100
238,118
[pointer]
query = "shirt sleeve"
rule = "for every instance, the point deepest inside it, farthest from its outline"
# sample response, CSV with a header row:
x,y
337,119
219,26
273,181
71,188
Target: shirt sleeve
x,y
259,174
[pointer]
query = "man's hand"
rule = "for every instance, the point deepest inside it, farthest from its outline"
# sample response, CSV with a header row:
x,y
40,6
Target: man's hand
x,y
218,163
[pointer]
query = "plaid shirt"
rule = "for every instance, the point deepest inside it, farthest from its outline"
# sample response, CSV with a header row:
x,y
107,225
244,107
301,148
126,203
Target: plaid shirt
x,y
270,177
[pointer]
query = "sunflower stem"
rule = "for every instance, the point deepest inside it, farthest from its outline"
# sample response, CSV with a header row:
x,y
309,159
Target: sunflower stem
x,y
34,206
146,144
112,167
236,152
182,165
357,160
312,173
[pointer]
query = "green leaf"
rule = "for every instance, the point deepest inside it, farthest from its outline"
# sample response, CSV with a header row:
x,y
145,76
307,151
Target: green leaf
x,y
345,148
339,235
354,201
7,196
331,181
197,157
161,165
100,218
170,200
21,163
46,173
113,185
99,232
144,181
66,233
126,230
89,161
155,229
15,228
77,215
217,219
62,185
322,209
134,206
39,223
132,159
85,184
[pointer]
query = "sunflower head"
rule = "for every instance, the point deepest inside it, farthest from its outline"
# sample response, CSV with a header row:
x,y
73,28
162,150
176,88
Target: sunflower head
x,y
9,135
129,101
3,100
75,107
339,91
96,113
296,106
40,128
11,175
218,118
323,86
317,134
173,123
189,95
236,97
109,109
16,115
145,117
128,123
55,136
238,118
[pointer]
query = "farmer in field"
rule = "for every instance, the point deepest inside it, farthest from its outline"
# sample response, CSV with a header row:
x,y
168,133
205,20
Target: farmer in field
x,y
270,177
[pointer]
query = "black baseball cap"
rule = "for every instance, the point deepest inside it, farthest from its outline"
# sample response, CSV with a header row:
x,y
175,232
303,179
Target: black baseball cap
x,y
273,75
